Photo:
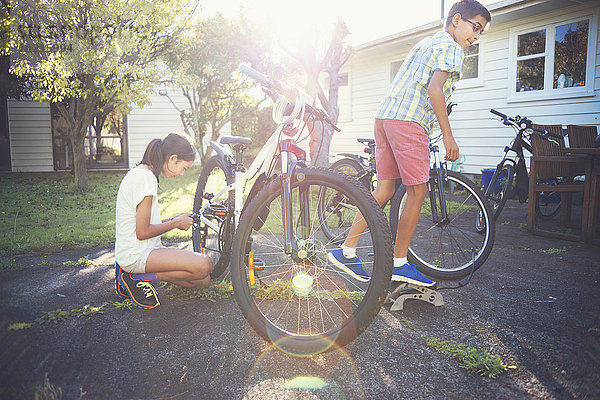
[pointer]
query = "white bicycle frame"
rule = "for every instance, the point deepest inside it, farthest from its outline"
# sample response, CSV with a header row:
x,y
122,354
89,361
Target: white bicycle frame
x,y
261,163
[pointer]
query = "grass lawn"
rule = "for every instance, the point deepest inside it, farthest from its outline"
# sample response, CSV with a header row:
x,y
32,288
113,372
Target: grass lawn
x,y
45,212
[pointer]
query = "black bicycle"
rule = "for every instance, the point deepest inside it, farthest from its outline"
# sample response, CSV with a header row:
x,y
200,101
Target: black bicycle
x,y
510,175
455,233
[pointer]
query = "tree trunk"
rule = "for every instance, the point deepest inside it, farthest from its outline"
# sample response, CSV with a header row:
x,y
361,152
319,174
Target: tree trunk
x,y
79,166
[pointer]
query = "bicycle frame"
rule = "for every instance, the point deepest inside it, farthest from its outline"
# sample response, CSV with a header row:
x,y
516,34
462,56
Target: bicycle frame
x,y
259,165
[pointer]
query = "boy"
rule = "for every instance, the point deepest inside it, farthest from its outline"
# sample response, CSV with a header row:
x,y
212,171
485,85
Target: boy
x,y
403,123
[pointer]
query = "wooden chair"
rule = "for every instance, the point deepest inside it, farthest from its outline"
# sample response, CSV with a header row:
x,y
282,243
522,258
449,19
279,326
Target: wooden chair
x,y
582,135
549,162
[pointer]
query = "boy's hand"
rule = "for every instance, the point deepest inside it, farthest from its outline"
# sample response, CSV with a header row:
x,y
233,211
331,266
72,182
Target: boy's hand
x,y
451,147
183,221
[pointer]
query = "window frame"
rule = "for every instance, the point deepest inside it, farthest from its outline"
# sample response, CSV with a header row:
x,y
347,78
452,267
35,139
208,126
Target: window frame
x,y
549,92
90,163
479,79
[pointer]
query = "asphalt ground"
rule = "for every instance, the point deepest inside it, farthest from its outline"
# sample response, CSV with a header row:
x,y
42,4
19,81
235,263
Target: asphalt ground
x,y
535,303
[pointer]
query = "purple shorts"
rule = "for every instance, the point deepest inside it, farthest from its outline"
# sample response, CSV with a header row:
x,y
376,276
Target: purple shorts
x,y
401,151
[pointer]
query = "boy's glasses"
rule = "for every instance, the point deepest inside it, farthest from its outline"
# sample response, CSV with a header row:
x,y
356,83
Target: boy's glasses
x,y
477,29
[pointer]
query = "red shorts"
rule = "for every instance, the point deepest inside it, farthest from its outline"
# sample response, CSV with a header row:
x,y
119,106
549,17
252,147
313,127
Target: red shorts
x,y
401,151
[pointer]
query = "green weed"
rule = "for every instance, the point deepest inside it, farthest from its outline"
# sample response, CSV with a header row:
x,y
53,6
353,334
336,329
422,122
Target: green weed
x,y
9,264
407,324
54,316
553,250
87,311
216,290
47,391
83,262
19,326
126,304
470,358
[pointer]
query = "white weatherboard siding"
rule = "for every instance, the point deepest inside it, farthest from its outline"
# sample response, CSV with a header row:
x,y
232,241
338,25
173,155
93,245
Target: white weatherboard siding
x,y
480,138
31,130
30,137
156,120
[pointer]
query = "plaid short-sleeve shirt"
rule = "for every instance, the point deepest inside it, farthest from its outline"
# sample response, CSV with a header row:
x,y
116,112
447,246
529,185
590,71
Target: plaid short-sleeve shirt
x,y
407,98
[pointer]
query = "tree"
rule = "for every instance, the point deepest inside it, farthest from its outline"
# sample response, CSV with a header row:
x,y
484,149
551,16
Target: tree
x,y
90,58
204,65
335,57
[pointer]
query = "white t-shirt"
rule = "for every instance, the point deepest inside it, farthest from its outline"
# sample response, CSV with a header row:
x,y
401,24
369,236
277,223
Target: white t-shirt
x,y
137,184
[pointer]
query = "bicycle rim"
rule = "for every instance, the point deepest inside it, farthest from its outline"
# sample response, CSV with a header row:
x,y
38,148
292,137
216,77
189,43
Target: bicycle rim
x,y
215,243
499,189
301,301
447,250
336,207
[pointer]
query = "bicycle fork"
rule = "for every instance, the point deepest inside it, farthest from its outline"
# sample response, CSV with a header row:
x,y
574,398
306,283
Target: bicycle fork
x,y
291,245
436,183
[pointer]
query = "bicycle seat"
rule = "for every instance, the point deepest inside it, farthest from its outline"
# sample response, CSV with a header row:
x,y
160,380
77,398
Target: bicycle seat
x,y
235,140
366,142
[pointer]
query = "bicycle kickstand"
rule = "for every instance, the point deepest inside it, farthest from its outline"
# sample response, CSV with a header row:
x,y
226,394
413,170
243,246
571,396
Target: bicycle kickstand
x,y
408,291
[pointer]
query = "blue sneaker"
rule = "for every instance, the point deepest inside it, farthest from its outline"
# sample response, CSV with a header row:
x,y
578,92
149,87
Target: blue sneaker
x,y
409,274
353,266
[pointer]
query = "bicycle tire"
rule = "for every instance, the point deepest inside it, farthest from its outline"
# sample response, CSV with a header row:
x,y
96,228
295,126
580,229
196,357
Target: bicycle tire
x,y
332,309
547,204
499,188
353,169
437,250
215,175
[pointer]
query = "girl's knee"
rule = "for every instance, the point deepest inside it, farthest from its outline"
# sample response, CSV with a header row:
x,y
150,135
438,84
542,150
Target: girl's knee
x,y
203,266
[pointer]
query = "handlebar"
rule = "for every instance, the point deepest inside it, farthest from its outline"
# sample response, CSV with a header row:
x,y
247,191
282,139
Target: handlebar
x,y
271,85
524,123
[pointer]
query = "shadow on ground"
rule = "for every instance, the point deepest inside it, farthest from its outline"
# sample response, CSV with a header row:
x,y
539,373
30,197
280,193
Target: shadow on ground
x,y
535,303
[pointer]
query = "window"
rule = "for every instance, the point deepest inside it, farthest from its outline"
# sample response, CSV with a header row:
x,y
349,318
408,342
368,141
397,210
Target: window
x,y
394,67
105,143
470,67
553,61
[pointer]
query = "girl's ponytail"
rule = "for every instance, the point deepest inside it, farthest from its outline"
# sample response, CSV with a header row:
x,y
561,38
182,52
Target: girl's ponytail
x,y
153,156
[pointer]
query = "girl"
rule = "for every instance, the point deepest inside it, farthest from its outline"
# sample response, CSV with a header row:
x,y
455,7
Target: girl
x,y
140,256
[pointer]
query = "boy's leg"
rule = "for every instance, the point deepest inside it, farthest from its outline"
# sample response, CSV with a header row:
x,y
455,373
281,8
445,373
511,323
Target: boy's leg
x,y
409,217
383,192
407,224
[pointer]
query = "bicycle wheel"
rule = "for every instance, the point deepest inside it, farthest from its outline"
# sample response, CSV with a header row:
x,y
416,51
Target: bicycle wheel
x,y
446,250
350,167
214,238
295,297
338,205
499,188
547,203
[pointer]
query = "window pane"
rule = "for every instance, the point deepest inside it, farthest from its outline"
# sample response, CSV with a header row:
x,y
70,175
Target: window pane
x,y
472,50
106,136
570,54
394,69
470,67
343,79
530,74
532,43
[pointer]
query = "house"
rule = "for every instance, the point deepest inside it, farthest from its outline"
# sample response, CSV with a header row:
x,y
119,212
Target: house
x,y
540,59
32,135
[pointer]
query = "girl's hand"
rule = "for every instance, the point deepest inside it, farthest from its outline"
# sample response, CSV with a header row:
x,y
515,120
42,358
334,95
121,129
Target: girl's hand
x,y
183,221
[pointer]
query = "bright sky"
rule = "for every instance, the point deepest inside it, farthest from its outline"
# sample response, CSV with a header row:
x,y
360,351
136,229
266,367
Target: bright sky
x,y
367,20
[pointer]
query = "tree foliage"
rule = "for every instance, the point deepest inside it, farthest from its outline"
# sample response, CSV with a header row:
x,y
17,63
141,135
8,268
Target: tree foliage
x,y
90,58
204,65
